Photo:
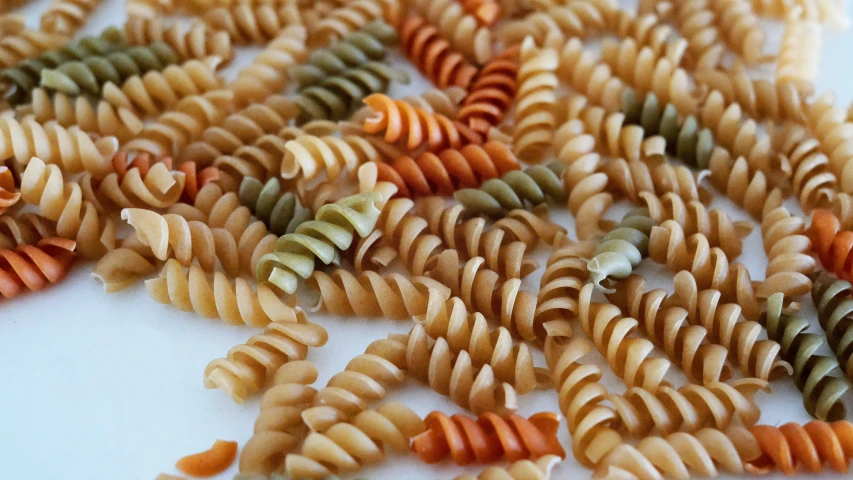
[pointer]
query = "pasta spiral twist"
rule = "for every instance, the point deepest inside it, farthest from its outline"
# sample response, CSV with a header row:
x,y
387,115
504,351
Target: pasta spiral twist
x,y
149,8
62,202
465,34
491,93
833,306
655,177
448,171
335,97
486,11
813,373
348,18
307,156
787,247
103,119
826,122
401,121
559,289
832,245
621,250
331,230
287,337
268,72
434,56
798,59
759,357
747,187
554,23
347,447
27,44
812,180
514,190
488,438
65,17
241,128
142,183
520,470
89,75
194,42
627,357
535,98
448,319
24,76
644,30
668,327
280,211
278,428
33,267
253,24
372,295
698,23
9,195
24,229
740,29
812,445
761,99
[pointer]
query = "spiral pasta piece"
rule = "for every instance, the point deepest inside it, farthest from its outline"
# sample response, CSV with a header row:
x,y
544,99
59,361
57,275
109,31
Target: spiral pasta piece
x,y
280,211
535,98
798,59
91,73
491,93
448,171
434,56
27,44
463,31
699,25
335,97
145,182
122,268
812,180
554,23
34,267
787,246
644,30
24,229
833,306
241,128
514,190
194,42
307,156
740,29
812,445
253,24
349,18
520,470
761,99
24,76
287,337
621,250
65,17
347,447
149,8
331,230
628,357
62,202
401,121
268,72
826,122
559,288
488,438
747,187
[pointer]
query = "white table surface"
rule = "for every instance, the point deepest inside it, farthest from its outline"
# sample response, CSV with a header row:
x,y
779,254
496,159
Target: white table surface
x,y
97,386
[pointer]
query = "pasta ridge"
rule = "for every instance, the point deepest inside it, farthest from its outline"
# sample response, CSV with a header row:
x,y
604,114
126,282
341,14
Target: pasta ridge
x,y
349,18
268,73
196,41
280,211
434,55
102,119
34,267
491,92
621,249
829,296
461,29
253,24
513,190
66,17
535,97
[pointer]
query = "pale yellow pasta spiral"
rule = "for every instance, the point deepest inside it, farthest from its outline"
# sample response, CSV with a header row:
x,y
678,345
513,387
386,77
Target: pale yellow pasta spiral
x,y
279,427
473,238
588,76
370,294
267,74
101,119
453,375
484,291
842,208
699,25
728,327
534,103
552,24
646,31
448,319
194,42
741,29
812,181
149,8
156,91
748,188
241,128
714,224
70,148
308,156
24,229
627,356
65,17
287,337
177,127
657,177
27,44
565,274
734,131
463,31
348,18
347,447
407,233
43,185
668,328
521,470
761,99
827,123
155,187
798,60
253,24
788,249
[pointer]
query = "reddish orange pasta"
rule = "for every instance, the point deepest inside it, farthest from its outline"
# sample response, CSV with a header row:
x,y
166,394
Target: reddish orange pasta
x,y
450,170
434,56
811,445
833,245
488,438
209,462
33,267
9,195
491,94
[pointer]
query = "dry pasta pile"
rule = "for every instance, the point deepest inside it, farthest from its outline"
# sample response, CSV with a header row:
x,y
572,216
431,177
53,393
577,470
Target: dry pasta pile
x,y
230,198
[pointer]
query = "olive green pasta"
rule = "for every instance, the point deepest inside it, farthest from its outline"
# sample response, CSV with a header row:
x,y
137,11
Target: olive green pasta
x,y
512,191
684,138
323,238
823,392
355,49
622,249
336,97
834,308
24,77
280,211
91,73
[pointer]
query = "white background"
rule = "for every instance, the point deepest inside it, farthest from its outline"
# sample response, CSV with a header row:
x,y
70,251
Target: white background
x,y
96,386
